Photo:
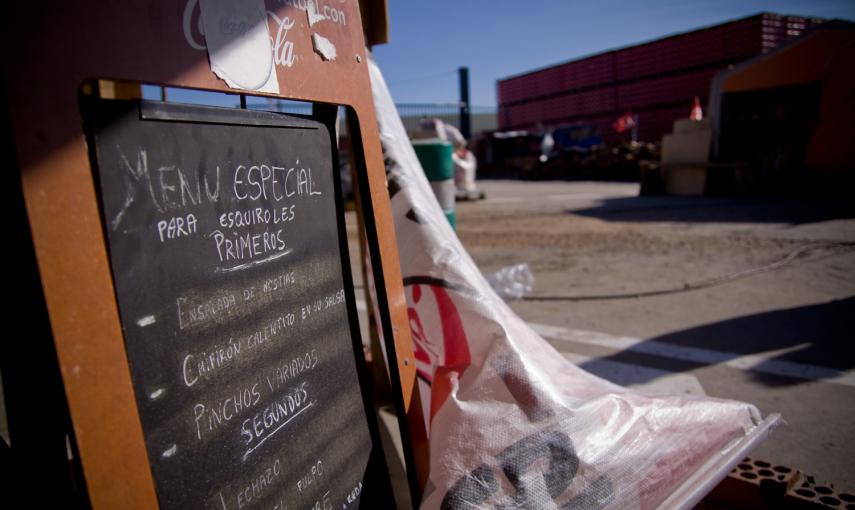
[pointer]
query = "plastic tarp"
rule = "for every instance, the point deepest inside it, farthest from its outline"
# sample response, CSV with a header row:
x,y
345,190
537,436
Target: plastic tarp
x,y
512,424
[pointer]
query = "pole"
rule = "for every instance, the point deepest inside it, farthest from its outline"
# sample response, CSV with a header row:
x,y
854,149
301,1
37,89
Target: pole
x,y
465,115
635,128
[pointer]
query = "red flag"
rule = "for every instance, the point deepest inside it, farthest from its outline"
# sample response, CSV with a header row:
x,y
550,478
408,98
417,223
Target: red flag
x,y
624,122
697,113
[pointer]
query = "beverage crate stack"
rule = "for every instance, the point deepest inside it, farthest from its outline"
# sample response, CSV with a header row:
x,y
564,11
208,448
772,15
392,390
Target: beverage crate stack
x,y
656,80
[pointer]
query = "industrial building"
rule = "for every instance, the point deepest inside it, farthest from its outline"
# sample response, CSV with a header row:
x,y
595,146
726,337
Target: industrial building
x,y
657,81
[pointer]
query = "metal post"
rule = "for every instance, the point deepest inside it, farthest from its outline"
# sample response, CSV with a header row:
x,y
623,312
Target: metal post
x,y
465,120
635,128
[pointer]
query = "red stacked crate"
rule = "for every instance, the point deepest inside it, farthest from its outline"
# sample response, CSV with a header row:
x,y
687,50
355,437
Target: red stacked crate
x,y
627,63
551,110
505,92
595,70
534,84
522,115
510,119
502,96
658,80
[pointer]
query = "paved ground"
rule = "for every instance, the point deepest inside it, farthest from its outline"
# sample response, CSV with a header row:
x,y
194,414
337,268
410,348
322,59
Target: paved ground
x,y
753,300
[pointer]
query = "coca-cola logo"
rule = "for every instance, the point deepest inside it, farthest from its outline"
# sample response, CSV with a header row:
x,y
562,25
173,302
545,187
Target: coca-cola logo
x,y
193,20
443,342
282,47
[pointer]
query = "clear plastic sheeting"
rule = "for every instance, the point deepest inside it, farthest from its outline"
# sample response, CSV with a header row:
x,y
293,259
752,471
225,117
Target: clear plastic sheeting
x,y
512,282
512,423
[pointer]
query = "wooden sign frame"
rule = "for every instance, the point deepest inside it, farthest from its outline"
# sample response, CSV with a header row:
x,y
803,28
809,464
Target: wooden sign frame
x,y
52,52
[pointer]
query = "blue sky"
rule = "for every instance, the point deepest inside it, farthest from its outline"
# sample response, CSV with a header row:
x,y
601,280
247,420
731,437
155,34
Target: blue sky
x,y
497,39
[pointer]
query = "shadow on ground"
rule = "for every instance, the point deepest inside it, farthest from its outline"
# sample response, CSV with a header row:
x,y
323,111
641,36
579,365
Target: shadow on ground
x,y
820,335
716,210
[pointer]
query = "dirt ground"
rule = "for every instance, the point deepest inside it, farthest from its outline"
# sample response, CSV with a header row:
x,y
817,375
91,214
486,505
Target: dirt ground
x,y
760,283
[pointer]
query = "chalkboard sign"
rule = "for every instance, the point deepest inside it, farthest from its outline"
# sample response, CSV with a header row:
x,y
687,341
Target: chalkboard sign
x,y
226,243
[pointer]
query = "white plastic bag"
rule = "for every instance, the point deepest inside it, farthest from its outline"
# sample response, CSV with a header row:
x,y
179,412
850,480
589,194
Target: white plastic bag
x,y
512,282
512,423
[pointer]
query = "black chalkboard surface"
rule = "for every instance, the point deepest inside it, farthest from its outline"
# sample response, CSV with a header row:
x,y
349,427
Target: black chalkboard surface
x,y
225,235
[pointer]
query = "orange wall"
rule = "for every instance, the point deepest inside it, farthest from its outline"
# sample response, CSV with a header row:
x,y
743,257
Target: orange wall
x,y
825,56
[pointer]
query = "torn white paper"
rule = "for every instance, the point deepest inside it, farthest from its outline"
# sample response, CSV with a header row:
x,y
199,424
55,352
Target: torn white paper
x,y
323,47
314,16
239,44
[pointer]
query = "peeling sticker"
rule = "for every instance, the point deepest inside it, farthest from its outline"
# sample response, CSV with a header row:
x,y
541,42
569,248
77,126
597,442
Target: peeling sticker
x,y
239,44
323,47
314,16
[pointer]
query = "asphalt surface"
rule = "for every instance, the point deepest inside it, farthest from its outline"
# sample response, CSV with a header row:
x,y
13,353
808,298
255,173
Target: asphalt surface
x,y
743,299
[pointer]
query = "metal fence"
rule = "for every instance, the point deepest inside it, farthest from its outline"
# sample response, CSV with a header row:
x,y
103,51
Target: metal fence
x,y
483,118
